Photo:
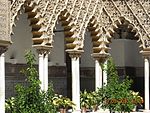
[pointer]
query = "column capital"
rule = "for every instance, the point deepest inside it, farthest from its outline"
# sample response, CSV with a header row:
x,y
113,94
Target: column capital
x,y
100,57
146,57
3,49
146,52
75,53
42,49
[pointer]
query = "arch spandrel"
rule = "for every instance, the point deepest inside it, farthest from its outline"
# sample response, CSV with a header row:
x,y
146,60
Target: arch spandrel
x,y
91,9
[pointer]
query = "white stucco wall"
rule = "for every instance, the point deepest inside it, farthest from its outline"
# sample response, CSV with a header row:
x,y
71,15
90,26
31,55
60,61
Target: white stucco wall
x,y
117,52
126,53
86,58
57,55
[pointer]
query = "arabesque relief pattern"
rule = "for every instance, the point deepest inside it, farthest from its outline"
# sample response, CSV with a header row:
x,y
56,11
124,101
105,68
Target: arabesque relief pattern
x,y
100,17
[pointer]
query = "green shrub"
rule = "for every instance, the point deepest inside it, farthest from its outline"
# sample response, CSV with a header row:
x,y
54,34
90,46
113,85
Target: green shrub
x,y
116,95
30,99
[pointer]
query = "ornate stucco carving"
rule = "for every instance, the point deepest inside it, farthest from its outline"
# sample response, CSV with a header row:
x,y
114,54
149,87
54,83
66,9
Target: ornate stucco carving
x,y
4,17
5,40
76,15
15,8
134,12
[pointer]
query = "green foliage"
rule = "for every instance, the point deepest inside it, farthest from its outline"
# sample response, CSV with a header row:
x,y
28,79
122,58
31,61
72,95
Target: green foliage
x,y
62,102
85,99
30,99
89,100
116,95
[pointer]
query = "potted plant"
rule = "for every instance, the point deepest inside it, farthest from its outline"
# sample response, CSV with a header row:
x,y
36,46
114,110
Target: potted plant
x,y
137,99
62,103
94,100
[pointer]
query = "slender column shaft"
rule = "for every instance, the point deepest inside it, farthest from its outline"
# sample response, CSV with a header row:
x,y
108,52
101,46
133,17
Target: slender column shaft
x,y
98,75
76,83
45,77
105,73
41,70
146,68
2,83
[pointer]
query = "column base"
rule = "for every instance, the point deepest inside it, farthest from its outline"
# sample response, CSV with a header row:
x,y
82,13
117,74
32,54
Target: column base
x,y
145,111
76,111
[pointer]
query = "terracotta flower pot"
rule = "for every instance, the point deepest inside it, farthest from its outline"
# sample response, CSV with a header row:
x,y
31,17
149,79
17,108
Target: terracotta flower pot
x,y
62,110
83,110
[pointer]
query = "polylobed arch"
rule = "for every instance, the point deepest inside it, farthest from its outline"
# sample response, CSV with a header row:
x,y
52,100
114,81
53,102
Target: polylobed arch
x,y
30,7
130,27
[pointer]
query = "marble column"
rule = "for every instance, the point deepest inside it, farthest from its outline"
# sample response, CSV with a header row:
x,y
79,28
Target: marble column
x,y
146,80
105,73
75,81
45,77
98,75
2,83
43,69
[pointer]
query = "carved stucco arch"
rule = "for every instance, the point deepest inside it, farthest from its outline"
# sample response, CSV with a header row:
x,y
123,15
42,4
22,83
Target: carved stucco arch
x,y
130,26
113,12
80,12
44,13
136,12
30,7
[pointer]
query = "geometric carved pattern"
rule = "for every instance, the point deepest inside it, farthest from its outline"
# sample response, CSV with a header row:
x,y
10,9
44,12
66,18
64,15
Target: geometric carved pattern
x,y
4,26
77,15
4,20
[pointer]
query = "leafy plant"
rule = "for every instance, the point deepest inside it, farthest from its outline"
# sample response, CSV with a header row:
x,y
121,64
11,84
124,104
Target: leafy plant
x,y
85,99
137,99
30,99
62,102
9,104
94,100
116,94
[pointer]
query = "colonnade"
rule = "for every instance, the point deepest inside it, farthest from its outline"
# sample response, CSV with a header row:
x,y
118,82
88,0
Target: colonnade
x,y
43,76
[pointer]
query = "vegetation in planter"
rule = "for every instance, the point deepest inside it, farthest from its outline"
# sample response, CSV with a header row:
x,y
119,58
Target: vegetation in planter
x,y
30,99
62,102
137,99
94,100
116,95
89,100
85,100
